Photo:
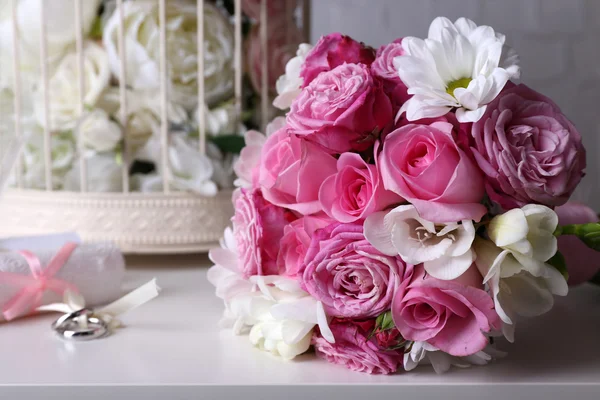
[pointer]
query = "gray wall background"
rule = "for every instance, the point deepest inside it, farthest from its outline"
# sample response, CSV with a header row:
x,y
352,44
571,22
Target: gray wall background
x,y
558,42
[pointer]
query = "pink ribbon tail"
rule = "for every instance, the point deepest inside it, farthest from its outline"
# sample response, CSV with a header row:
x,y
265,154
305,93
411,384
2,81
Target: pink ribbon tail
x,y
33,287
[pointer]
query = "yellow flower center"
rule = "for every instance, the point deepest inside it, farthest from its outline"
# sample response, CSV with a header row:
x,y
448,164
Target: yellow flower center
x,y
459,83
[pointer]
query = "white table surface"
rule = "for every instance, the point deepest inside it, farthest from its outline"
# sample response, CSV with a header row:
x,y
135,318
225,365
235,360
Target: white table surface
x,y
172,349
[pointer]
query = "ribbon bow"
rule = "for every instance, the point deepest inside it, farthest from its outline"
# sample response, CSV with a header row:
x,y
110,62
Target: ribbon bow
x,y
33,286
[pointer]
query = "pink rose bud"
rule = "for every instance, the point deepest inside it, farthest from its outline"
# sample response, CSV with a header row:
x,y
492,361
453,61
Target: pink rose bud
x,y
383,68
582,262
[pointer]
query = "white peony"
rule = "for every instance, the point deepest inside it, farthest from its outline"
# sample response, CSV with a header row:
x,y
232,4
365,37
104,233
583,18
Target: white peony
x,y
63,153
289,84
424,353
223,174
514,264
189,170
143,50
460,65
143,114
64,87
98,131
278,315
103,174
60,34
444,249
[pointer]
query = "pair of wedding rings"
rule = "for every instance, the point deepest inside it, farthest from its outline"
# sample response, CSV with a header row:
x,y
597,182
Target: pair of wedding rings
x,y
71,327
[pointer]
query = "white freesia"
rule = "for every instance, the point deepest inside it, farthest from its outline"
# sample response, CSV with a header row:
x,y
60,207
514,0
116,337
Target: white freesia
x,y
141,32
460,65
444,249
64,87
527,231
288,85
63,153
103,174
424,353
277,313
98,131
143,113
520,285
60,34
189,170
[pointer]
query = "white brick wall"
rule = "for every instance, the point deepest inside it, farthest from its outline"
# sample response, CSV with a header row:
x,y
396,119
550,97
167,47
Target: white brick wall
x,y
558,41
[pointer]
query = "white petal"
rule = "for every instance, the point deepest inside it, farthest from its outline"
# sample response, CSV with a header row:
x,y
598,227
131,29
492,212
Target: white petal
x,y
465,234
508,228
465,116
440,361
379,233
324,324
437,26
528,296
556,282
293,332
448,268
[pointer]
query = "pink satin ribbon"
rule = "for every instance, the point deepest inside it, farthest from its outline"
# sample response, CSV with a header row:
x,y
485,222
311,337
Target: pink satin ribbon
x,y
33,287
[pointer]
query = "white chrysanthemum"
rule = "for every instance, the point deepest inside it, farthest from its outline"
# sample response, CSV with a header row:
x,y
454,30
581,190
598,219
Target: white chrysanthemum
x,y
460,65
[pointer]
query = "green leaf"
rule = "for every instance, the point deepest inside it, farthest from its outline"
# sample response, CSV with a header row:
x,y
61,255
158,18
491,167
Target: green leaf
x,y
96,31
228,143
587,233
384,322
558,262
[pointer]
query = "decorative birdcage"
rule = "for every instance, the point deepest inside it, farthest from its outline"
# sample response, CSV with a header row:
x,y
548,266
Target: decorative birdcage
x,y
128,135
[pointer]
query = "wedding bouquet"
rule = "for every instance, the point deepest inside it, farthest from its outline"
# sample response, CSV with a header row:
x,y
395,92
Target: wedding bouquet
x,y
403,210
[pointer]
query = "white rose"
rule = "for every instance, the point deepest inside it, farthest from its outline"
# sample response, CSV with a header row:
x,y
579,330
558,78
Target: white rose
x,y
444,249
189,170
143,52
288,85
143,113
64,87
223,174
98,131
60,33
103,175
63,152
221,120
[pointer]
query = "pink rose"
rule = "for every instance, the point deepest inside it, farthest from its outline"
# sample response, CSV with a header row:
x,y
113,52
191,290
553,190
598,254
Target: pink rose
x,y
342,109
295,242
275,9
258,227
292,171
284,36
247,165
582,262
355,191
331,51
345,272
383,68
423,164
449,315
529,151
354,349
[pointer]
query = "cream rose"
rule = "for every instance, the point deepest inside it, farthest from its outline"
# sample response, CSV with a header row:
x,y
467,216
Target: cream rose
x,y
103,175
64,87
143,114
98,131
60,34
143,50
63,151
